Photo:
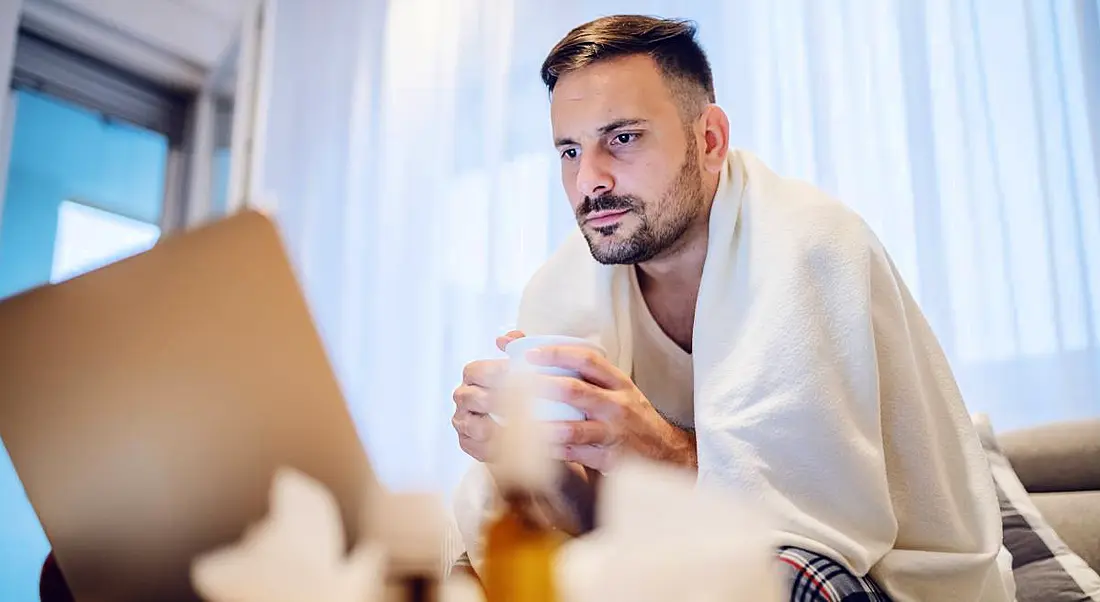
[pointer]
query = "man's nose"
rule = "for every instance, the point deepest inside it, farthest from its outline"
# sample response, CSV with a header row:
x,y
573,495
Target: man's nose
x,y
594,176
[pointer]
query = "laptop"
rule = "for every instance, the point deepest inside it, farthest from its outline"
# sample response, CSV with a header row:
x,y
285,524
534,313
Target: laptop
x,y
146,406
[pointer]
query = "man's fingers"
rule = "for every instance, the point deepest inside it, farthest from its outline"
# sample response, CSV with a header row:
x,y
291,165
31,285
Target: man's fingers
x,y
478,450
586,397
478,427
592,366
470,398
592,456
502,341
581,432
484,373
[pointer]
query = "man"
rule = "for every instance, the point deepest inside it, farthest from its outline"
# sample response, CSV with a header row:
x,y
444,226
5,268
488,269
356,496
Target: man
x,y
757,333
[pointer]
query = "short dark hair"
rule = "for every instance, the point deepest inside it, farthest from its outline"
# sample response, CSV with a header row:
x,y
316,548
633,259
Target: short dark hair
x,y
669,42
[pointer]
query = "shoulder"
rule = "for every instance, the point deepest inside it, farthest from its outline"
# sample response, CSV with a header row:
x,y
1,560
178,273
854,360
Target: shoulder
x,y
806,221
791,224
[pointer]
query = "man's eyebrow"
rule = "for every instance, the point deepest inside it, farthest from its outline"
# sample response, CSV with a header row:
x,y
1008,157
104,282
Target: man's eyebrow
x,y
618,124
604,130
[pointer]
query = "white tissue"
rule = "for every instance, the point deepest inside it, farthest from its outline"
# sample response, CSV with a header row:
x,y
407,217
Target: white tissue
x,y
475,506
296,554
460,588
412,527
662,538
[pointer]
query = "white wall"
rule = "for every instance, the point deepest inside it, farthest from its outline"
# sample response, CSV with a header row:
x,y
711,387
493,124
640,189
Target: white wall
x,y
9,24
171,42
7,128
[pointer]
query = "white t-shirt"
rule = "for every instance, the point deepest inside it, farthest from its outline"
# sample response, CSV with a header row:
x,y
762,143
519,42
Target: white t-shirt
x,y
662,370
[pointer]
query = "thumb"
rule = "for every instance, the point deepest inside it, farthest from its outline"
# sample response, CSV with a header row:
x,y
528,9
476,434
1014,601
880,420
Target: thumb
x,y
502,341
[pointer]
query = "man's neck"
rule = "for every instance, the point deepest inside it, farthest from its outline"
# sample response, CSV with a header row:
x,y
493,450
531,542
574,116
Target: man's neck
x,y
670,287
670,283
681,267
681,270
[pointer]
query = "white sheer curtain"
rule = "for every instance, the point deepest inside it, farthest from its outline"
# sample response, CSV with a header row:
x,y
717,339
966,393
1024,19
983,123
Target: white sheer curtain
x,y
407,147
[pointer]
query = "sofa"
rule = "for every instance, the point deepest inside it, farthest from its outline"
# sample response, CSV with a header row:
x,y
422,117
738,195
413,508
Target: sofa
x,y
1048,485
1059,465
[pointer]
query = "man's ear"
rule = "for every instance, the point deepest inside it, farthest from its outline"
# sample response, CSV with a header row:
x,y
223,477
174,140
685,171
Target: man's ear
x,y
716,137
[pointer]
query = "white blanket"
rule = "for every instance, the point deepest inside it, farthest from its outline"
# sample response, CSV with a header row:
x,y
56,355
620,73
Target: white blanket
x,y
820,389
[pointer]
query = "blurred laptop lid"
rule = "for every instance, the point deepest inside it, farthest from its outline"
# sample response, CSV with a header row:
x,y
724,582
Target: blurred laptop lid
x,y
147,404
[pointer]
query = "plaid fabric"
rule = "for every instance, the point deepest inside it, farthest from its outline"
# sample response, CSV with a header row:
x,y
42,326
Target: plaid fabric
x,y
463,562
1044,567
817,578
813,578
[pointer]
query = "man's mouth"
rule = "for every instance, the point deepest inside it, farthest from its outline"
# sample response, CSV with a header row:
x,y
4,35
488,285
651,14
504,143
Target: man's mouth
x,y
600,219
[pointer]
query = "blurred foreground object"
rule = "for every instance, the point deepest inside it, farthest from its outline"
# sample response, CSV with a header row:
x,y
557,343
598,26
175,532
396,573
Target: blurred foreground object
x,y
520,545
296,554
411,526
660,537
52,586
147,405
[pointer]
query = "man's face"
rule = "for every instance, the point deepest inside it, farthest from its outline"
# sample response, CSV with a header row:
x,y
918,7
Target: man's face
x,y
629,163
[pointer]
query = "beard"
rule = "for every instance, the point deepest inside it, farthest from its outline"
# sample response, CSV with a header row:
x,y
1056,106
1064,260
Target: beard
x,y
652,236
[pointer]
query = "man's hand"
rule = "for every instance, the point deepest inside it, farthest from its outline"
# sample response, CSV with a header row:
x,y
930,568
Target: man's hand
x,y
620,419
471,419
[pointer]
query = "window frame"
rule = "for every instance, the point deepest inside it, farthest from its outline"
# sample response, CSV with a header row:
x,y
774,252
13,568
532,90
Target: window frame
x,y
48,67
190,115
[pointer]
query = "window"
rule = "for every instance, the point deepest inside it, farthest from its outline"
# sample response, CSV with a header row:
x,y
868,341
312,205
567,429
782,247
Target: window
x,y
89,238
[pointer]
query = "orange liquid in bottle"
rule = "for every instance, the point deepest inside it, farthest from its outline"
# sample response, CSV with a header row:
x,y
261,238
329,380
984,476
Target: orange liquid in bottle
x,y
520,551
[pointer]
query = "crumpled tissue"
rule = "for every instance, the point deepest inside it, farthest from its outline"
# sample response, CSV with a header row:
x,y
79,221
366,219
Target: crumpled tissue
x,y
660,537
295,554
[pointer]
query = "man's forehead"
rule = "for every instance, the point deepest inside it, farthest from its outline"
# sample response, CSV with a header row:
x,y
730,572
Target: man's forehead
x,y
626,88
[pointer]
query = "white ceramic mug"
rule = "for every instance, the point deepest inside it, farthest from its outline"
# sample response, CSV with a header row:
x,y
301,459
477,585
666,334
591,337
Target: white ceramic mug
x,y
548,409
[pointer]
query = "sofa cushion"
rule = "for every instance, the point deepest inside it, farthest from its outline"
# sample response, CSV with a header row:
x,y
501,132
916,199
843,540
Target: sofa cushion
x,y
1075,516
1061,456
1043,565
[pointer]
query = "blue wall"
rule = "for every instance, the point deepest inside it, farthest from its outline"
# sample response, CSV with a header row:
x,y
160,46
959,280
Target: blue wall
x,y
60,152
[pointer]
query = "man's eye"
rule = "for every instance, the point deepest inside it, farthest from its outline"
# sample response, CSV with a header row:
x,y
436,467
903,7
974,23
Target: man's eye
x,y
625,138
569,153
